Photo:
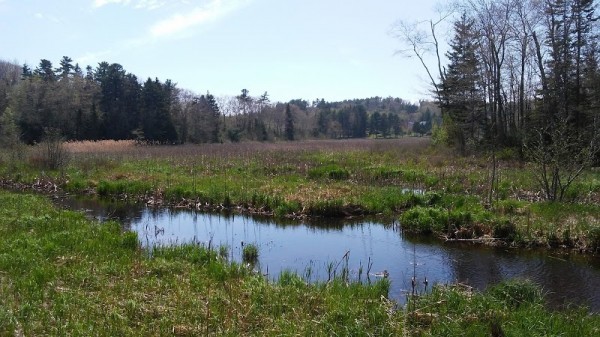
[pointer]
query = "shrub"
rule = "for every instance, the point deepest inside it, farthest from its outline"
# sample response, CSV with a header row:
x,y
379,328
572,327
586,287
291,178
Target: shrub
x,y
54,153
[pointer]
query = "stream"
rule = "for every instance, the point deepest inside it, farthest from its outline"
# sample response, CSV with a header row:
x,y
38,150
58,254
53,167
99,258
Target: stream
x,y
314,250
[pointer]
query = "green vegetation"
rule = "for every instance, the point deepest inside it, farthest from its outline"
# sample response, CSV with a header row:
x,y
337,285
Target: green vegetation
x,y
250,253
514,308
430,191
61,274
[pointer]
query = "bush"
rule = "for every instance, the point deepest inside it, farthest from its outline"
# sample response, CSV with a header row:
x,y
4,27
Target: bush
x,y
54,153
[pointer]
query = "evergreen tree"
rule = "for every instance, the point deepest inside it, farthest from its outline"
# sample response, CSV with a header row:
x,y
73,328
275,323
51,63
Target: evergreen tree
x,y
289,123
66,68
156,122
461,99
26,72
215,117
45,71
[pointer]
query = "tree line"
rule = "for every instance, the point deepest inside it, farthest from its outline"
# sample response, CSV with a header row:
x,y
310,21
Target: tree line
x,y
513,68
519,73
107,102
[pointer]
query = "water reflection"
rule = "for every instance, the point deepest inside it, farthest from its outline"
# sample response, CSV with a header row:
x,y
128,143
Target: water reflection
x,y
311,249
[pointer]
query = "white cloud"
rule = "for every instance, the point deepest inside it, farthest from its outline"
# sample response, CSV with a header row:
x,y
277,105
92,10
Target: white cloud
x,y
101,3
92,57
150,4
51,18
139,4
211,12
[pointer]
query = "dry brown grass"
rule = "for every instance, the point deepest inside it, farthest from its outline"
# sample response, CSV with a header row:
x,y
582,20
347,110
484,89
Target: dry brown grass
x,y
408,146
101,146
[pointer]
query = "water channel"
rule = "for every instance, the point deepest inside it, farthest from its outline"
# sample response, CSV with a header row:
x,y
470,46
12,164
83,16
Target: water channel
x,y
309,248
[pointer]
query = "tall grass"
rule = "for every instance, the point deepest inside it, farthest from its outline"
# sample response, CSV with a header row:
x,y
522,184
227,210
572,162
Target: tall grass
x,y
330,178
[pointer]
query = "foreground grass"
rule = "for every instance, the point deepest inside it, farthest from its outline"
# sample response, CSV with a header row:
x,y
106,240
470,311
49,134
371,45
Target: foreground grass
x,y
336,179
61,274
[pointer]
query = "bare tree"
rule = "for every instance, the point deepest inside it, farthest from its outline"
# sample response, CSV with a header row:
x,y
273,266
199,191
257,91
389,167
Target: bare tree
x,y
421,43
559,155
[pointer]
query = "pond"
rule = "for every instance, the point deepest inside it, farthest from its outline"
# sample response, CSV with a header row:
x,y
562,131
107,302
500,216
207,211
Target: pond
x,y
315,250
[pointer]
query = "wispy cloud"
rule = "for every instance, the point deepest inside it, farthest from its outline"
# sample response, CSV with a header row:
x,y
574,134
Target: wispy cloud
x,y
150,4
41,16
139,4
101,3
92,57
212,11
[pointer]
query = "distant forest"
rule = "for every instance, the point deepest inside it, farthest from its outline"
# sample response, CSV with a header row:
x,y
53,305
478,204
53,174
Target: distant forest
x,y
107,102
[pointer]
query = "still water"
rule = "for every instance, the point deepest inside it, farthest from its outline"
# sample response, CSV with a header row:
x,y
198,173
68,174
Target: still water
x,y
313,249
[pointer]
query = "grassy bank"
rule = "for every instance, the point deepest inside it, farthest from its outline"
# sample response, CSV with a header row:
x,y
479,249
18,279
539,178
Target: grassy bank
x,y
335,179
61,274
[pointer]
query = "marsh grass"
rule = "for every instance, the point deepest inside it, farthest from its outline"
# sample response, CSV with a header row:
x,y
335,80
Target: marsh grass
x,y
512,308
61,275
329,178
250,253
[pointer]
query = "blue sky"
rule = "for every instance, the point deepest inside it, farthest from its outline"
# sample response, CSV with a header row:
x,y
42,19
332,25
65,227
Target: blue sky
x,y
332,49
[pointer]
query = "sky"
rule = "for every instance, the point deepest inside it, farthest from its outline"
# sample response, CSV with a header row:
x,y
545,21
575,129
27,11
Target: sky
x,y
308,49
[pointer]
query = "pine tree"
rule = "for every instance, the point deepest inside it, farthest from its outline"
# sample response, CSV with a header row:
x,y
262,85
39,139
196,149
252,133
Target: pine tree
x,y
461,100
45,71
289,124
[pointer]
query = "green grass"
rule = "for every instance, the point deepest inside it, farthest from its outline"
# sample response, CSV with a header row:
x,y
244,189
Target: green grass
x,y
513,308
64,275
61,274
250,253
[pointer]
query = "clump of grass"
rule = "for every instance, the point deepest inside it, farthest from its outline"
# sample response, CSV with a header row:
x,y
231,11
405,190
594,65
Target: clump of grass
x,y
424,220
594,239
250,253
129,240
327,208
330,171
517,292
504,229
224,252
512,308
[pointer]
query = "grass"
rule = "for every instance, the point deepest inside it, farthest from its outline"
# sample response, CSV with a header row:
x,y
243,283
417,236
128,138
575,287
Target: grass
x,y
250,253
61,274
513,308
329,178
64,275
